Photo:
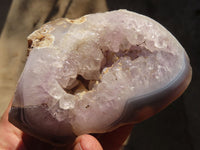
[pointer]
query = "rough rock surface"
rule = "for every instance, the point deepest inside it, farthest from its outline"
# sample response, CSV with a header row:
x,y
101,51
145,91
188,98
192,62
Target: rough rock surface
x,y
83,72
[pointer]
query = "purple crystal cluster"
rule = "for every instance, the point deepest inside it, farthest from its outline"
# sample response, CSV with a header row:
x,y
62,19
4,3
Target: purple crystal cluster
x,y
96,73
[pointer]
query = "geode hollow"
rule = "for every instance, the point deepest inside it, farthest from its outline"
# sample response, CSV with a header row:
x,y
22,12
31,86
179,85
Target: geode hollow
x,y
96,73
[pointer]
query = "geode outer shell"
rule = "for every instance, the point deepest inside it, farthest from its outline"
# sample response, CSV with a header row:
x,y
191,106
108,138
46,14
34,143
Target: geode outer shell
x,y
96,73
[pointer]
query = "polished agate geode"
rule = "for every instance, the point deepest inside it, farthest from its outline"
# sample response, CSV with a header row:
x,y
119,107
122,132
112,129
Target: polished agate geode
x,y
96,73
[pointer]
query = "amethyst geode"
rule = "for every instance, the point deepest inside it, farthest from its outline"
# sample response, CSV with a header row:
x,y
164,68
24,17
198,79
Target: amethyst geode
x,y
96,73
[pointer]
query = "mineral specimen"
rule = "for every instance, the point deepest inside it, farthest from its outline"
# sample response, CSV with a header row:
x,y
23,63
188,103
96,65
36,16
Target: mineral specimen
x,y
96,73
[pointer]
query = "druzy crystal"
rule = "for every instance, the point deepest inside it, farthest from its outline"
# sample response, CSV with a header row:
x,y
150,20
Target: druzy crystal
x,y
96,73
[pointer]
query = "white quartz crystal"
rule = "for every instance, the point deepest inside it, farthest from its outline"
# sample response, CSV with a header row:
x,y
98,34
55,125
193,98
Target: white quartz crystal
x,y
85,70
